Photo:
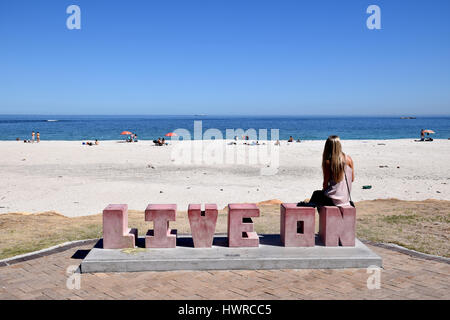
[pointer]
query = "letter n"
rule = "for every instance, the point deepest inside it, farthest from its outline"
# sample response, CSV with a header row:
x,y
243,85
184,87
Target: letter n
x,y
337,226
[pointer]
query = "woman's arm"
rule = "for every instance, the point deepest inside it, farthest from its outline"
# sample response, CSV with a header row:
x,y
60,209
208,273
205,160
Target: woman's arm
x,y
326,175
351,165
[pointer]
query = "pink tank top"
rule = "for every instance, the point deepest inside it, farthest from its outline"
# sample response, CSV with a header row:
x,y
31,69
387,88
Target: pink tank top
x,y
338,192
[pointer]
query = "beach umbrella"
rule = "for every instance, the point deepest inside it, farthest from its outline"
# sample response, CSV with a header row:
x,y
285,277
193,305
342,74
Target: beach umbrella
x,y
428,131
126,133
171,134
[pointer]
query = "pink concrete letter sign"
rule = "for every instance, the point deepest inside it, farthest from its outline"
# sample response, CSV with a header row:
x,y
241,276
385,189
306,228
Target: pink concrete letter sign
x,y
337,225
203,224
297,225
116,234
161,236
240,225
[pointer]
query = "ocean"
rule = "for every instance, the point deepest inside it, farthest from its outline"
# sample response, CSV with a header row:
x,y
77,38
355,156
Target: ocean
x,y
80,128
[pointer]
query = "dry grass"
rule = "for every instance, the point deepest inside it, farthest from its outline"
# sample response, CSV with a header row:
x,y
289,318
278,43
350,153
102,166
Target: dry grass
x,y
419,225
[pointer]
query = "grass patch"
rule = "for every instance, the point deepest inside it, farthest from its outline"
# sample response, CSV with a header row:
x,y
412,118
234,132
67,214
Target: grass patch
x,y
423,226
399,219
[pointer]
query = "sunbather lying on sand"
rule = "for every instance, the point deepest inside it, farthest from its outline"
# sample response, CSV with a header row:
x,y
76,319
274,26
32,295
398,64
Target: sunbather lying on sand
x,y
160,142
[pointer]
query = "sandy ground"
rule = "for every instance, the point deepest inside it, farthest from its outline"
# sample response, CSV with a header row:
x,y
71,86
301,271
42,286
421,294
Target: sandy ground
x,y
76,180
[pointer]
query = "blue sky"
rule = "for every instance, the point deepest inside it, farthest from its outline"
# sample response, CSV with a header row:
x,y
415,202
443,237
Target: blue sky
x,y
225,57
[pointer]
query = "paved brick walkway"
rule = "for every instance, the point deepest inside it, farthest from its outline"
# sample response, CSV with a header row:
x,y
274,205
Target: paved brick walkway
x,y
403,277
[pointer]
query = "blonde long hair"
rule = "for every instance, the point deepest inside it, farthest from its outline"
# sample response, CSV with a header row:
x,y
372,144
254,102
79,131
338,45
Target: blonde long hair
x,y
332,153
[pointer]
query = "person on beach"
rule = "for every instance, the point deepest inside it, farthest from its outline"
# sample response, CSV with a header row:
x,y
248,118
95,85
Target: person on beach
x,y
88,143
422,135
338,175
291,139
32,136
38,137
158,142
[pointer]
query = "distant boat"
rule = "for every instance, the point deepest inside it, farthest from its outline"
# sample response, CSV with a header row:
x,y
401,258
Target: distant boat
x,y
407,117
52,120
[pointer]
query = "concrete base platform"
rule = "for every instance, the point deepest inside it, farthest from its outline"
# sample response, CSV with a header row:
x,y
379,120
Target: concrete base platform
x,y
270,255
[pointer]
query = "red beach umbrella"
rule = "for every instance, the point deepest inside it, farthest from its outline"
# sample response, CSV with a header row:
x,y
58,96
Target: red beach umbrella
x,y
126,133
171,134
428,131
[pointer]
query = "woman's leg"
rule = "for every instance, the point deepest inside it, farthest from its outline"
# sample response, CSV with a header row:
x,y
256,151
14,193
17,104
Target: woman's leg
x,y
316,197
320,199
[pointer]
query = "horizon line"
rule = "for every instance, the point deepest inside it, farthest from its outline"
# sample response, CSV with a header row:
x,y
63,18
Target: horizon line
x,y
228,115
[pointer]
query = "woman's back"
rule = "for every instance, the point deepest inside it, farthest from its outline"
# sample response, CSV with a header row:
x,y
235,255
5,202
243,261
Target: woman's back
x,y
339,192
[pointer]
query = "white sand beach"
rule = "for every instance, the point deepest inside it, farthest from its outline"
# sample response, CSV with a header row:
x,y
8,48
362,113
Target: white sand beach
x,y
75,180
